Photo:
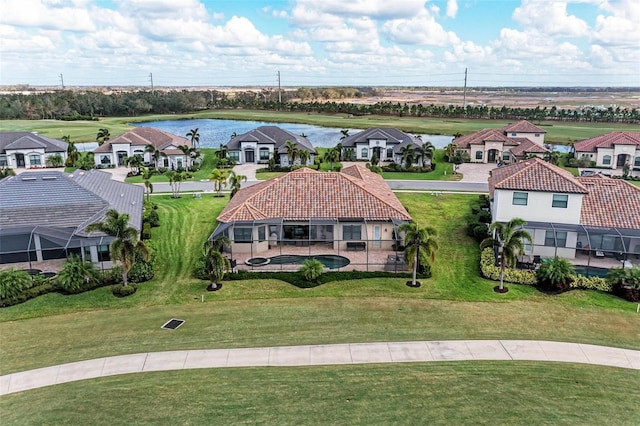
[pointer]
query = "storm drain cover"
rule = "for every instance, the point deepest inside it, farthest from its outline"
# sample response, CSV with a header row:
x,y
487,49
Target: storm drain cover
x,y
172,324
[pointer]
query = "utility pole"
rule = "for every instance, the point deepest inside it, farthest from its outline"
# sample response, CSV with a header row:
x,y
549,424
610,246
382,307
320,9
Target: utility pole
x,y
279,92
151,80
464,93
62,81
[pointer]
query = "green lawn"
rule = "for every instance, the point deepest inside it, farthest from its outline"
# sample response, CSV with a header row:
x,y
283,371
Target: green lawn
x,y
496,393
87,130
209,163
443,171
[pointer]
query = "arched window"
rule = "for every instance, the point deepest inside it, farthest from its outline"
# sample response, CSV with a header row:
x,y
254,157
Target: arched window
x,y
606,160
364,153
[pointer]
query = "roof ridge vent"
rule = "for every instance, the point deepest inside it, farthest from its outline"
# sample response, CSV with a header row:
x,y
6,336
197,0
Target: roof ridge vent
x,y
49,177
29,178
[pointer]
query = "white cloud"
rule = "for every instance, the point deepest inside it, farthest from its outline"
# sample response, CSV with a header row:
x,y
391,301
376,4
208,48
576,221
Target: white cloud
x,y
549,17
421,29
375,9
38,14
452,8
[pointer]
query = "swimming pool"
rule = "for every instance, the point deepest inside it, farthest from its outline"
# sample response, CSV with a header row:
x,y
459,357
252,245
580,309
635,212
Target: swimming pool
x,y
592,271
331,261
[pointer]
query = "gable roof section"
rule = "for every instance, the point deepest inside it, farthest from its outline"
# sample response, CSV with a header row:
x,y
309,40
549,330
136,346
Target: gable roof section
x,y
534,175
27,140
55,199
481,137
526,146
143,136
305,194
610,203
608,140
271,135
392,135
522,126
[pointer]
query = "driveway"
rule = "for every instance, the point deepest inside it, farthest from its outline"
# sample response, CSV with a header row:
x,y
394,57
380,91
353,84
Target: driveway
x,y
248,170
475,172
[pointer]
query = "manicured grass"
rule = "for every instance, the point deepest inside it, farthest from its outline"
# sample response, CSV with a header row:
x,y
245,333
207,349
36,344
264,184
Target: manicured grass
x,y
261,312
209,163
557,132
508,393
443,171
269,175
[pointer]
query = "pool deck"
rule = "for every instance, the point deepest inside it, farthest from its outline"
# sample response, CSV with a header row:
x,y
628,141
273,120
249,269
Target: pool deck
x,y
372,260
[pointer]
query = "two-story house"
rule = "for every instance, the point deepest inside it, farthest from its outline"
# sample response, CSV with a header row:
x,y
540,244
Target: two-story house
x,y
385,143
262,143
567,215
512,143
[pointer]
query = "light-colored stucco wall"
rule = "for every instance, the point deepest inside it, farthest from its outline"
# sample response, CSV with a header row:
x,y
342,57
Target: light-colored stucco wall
x,y
538,209
538,140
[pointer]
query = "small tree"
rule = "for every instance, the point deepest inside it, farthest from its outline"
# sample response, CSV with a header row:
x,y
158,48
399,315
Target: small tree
x,y
235,182
555,274
76,273
219,179
216,264
103,136
420,243
312,269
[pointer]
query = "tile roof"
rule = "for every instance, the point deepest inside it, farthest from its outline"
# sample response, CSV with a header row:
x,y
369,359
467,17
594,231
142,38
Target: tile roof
x,y
57,199
522,126
271,135
534,175
143,136
482,136
610,203
27,140
305,194
527,147
608,140
392,135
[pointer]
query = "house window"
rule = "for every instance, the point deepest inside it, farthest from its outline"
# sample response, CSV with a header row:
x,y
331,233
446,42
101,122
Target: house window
x,y
560,237
478,155
103,253
3,161
606,160
505,156
635,164
537,135
34,160
262,234
242,235
560,201
364,153
234,155
389,152
166,162
351,232
514,134
264,154
105,159
520,198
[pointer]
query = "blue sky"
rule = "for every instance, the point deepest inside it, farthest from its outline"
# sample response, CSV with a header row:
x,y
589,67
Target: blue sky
x,y
320,42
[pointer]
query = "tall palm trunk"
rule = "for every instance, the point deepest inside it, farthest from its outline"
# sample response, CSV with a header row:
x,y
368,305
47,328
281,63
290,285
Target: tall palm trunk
x,y
415,267
502,270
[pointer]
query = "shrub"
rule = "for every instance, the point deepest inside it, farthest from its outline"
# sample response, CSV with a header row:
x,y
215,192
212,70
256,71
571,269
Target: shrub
x,y
14,282
123,290
556,274
311,269
142,270
490,271
151,217
77,275
484,216
478,231
590,283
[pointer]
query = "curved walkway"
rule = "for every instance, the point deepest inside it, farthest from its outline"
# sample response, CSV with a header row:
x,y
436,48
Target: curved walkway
x,y
351,353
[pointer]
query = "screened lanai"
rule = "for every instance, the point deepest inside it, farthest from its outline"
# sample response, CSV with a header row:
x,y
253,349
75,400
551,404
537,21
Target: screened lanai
x,y
584,245
339,243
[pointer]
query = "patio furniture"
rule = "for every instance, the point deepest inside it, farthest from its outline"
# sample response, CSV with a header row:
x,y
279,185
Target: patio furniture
x,y
356,246
599,253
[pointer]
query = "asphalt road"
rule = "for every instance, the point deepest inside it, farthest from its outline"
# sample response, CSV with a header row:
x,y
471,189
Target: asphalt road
x,y
420,185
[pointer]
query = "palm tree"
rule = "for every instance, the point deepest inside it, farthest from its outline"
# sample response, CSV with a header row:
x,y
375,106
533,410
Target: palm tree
x,y
72,152
235,182
216,264
331,155
450,150
345,134
416,240
555,274
311,269
146,177
552,157
304,156
6,172
75,273
126,244
195,137
103,136
221,153
135,163
187,152
408,155
175,178
508,238
292,151
156,154
219,178
13,282
425,151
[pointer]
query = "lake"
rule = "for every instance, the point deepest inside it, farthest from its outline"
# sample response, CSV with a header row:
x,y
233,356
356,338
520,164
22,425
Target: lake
x,y
214,133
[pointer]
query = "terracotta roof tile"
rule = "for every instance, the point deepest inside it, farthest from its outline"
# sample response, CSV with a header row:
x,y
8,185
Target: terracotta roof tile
x,y
482,136
304,194
522,126
610,203
608,140
143,136
534,175
526,146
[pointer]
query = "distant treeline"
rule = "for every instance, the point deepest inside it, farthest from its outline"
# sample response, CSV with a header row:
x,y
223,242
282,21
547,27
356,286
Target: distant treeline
x,y
78,105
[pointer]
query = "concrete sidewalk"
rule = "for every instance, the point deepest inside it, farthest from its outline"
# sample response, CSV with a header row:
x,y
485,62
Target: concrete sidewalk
x,y
353,353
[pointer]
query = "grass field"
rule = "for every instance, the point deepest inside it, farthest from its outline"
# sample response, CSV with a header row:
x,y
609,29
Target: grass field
x,y
87,130
209,163
496,393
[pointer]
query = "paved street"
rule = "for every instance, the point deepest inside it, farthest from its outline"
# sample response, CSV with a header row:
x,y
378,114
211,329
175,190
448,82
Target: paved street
x,y
309,355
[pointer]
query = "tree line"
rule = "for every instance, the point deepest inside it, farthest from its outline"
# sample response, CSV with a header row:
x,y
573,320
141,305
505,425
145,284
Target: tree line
x,y
88,105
